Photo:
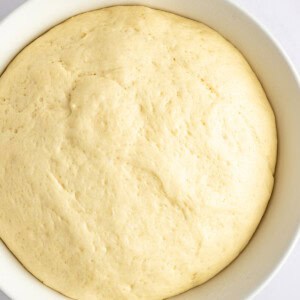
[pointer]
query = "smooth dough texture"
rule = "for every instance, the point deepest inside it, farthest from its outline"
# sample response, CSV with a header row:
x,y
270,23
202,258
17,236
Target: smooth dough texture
x,y
137,154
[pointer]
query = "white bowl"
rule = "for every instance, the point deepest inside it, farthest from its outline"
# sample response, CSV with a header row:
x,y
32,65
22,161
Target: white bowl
x,y
279,228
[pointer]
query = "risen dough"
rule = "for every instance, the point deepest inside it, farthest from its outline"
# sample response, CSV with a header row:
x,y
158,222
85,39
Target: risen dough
x,y
137,154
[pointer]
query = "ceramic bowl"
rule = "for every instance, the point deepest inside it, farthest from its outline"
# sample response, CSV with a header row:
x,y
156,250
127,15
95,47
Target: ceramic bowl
x,y
279,228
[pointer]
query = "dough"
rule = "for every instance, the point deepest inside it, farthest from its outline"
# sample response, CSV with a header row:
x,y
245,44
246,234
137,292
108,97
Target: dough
x,y
137,154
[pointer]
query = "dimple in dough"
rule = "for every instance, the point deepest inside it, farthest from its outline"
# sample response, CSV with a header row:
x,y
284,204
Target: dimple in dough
x,y
137,154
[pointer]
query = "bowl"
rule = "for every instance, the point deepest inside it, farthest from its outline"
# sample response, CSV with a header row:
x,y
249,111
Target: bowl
x,y
279,228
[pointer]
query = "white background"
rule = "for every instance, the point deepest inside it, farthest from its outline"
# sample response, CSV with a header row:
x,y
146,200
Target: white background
x,y
282,19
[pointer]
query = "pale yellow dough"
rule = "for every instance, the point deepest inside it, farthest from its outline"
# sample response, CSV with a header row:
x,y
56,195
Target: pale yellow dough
x,y
137,154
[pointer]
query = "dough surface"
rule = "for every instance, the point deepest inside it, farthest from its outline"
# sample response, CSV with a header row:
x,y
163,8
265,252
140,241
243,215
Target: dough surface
x,y
137,154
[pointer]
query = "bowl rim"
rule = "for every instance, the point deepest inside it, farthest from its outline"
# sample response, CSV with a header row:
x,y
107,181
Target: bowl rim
x,y
276,44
